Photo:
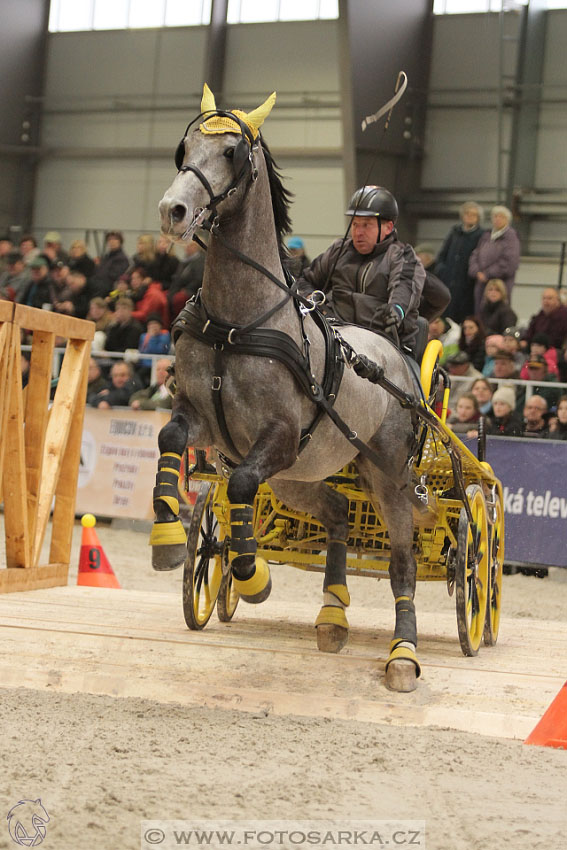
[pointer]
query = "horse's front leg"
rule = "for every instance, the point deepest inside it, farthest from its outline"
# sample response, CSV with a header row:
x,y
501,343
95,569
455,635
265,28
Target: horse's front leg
x,y
168,539
274,450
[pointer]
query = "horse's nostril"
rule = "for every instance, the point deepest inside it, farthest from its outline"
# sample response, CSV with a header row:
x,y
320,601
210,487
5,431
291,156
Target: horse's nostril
x,y
177,213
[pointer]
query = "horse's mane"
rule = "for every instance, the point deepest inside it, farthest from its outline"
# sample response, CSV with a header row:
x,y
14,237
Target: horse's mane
x,y
281,198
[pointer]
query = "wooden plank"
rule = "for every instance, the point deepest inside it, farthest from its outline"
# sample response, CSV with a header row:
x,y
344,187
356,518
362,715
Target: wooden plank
x,y
131,643
7,311
71,378
56,323
5,337
18,549
36,415
34,578
66,491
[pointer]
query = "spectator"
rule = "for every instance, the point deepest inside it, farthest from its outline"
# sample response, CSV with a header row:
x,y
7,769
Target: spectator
x,y
537,371
148,297
426,254
124,332
558,425
99,313
452,262
79,297
483,392
511,344
39,291
540,346
492,345
448,333
111,265
551,319
298,259
16,278
165,263
460,366
121,288
145,255
505,367
122,386
497,255
6,248
495,312
53,249
466,415
156,395
96,380
102,317
28,248
472,341
187,279
79,260
156,340
504,421
535,424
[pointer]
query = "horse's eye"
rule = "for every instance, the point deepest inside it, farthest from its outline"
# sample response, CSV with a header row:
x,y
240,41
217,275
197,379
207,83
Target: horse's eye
x,y
229,153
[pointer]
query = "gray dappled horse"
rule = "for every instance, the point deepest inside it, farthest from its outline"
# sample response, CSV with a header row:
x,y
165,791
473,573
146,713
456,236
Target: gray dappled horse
x,y
225,172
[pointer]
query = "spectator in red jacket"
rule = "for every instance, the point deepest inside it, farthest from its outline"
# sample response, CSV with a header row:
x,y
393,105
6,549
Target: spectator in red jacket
x,y
149,297
551,319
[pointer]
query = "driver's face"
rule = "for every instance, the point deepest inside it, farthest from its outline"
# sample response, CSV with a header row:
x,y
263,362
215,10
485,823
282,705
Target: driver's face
x,y
365,233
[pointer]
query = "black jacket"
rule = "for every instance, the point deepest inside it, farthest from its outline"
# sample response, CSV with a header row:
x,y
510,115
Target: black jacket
x,y
452,266
390,274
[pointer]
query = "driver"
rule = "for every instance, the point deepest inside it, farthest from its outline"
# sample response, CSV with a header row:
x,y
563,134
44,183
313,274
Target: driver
x,y
376,281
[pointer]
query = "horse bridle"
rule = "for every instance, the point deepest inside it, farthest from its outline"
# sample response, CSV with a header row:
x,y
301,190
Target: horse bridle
x,y
242,162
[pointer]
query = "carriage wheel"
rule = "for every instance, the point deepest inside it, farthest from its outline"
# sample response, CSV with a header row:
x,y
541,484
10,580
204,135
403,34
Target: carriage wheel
x,y
202,573
496,566
228,599
472,571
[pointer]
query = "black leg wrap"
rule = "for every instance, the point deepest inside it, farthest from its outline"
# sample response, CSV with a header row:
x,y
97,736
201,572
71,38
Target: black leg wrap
x,y
242,542
406,626
335,568
165,494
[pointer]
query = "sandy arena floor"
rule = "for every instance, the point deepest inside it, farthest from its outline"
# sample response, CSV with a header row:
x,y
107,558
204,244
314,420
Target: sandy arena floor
x,y
102,765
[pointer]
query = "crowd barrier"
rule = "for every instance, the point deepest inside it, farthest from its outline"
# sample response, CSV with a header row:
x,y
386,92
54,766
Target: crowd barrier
x,y
40,444
535,497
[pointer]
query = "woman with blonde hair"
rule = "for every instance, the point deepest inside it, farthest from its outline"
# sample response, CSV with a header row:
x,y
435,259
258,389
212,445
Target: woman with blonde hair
x,y
145,253
495,312
497,255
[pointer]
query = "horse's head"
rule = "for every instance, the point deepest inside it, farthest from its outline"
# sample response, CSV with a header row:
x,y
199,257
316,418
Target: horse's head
x,y
216,161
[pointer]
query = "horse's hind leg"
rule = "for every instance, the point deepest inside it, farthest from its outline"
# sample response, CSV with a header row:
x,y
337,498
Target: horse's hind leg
x,y
330,508
402,667
275,449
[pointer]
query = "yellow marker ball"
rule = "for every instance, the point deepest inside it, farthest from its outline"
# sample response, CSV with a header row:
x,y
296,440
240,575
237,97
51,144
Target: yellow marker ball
x,y
88,521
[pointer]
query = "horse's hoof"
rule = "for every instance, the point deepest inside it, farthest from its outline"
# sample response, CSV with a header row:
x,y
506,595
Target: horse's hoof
x,y
169,557
331,638
258,587
401,676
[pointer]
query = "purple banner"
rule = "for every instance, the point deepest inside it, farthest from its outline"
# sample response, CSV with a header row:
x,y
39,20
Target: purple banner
x,y
534,480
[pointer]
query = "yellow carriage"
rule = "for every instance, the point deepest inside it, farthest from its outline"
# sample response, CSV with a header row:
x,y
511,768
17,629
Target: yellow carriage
x,y
458,537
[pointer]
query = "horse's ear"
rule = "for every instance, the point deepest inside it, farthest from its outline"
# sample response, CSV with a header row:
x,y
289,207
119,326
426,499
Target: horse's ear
x,y
257,117
208,100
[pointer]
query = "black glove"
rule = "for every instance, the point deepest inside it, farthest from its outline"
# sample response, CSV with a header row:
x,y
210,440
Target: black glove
x,y
388,316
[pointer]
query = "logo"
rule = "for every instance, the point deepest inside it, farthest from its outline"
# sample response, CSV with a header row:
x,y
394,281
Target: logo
x,y
26,822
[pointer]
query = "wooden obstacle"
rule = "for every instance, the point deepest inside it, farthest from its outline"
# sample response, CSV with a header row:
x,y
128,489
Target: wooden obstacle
x,y
40,445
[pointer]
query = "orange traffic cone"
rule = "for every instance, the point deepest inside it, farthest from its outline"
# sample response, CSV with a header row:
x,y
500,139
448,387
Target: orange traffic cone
x,y
94,566
551,731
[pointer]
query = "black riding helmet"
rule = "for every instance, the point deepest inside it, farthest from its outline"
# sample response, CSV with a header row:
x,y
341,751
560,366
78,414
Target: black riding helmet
x,y
373,200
